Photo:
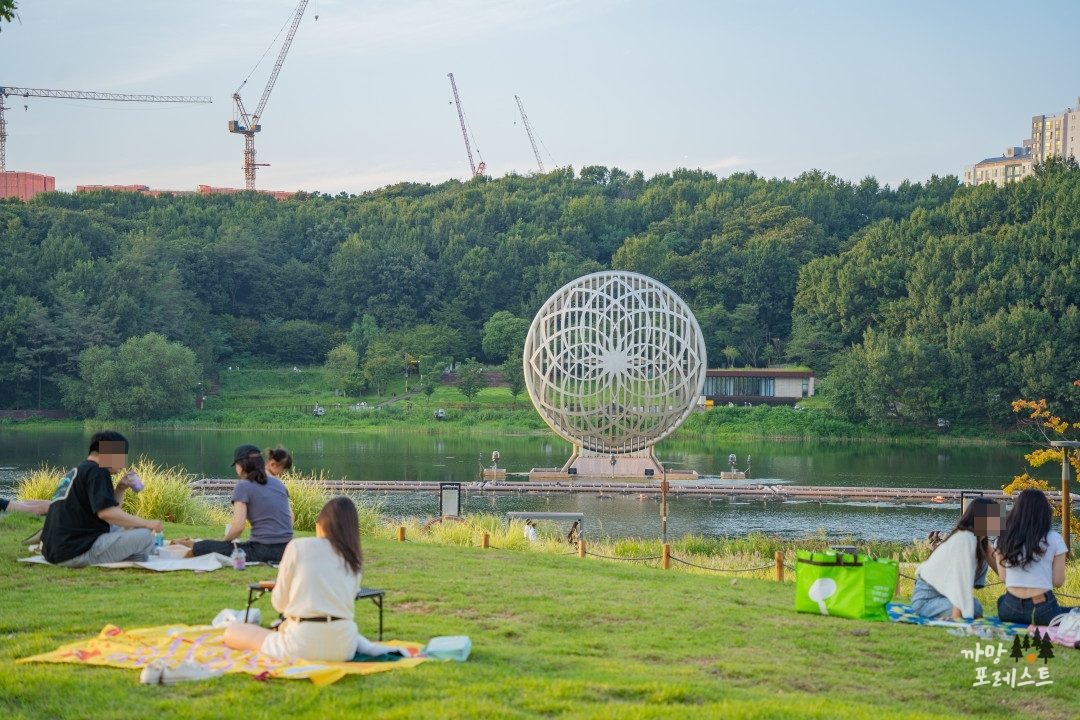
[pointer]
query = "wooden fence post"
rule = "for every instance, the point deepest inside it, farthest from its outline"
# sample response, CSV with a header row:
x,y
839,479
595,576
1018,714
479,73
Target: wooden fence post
x,y
581,548
896,557
666,561
779,558
485,541
401,533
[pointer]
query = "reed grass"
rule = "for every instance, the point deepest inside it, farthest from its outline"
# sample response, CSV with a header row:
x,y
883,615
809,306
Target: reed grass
x,y
166,496
307,495
40,483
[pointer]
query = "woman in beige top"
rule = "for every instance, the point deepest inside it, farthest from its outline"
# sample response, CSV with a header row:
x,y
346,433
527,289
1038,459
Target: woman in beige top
x,y
317,582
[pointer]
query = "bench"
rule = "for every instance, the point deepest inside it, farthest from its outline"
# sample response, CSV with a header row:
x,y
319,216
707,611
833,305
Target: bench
x,y
257,590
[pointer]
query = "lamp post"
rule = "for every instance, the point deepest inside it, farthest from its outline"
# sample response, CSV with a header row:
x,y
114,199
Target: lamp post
x,y
1066,498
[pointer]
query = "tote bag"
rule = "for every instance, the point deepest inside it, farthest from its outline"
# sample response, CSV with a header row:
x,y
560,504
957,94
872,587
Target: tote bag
x,y
843,585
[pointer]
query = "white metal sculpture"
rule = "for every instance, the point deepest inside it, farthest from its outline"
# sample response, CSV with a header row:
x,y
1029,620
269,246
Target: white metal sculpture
x,y
614,362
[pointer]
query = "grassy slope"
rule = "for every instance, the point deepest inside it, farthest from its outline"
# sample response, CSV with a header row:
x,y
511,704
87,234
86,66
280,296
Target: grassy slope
x,y
553,636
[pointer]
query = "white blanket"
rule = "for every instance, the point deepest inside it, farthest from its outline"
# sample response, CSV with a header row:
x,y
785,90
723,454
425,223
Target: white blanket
x,y
950,570
203,563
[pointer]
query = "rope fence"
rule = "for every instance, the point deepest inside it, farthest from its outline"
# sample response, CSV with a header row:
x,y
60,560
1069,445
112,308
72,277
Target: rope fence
x,y
705,567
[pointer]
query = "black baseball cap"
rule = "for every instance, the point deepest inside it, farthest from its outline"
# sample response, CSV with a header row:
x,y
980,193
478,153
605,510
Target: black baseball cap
x,y
244,452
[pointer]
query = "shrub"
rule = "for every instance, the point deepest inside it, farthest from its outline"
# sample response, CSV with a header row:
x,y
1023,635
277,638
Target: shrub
x,y
168,497
307,495
39,484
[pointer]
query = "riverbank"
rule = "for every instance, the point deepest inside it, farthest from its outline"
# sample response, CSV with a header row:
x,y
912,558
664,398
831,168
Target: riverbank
x,y
553,636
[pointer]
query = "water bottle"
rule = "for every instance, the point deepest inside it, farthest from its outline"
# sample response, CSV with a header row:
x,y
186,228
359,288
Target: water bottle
x,y
239,557
159,541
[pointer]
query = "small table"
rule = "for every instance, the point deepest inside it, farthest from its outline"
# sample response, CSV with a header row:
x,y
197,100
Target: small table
x,y
257,590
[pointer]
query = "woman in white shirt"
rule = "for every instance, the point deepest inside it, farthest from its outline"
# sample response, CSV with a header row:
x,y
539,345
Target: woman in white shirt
x,y
944,583
317,582
1031,558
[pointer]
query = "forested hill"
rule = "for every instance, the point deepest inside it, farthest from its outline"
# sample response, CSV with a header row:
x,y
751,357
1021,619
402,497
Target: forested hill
x,y
949,296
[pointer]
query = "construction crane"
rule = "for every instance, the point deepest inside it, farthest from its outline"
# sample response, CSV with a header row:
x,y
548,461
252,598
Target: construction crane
x,y
78,95
248,125
476,169
528,129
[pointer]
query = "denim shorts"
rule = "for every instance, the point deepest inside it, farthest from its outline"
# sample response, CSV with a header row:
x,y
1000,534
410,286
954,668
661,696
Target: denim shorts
x,y
1027,612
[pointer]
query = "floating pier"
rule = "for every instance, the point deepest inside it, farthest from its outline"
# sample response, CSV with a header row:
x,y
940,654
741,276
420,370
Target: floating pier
x,y
761,492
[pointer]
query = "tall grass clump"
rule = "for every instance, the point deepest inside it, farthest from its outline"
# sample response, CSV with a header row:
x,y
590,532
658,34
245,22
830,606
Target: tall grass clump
x,y
307,495
166,496
40,483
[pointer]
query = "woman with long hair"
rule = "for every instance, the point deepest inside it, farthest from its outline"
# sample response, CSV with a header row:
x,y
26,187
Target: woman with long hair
x,y
315,591
1032,560
259,499
944,584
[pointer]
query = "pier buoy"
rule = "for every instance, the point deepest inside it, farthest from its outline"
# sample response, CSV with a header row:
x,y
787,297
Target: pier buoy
x,y
939,499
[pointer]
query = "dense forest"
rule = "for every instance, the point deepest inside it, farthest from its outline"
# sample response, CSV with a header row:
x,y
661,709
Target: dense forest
x,y
911,302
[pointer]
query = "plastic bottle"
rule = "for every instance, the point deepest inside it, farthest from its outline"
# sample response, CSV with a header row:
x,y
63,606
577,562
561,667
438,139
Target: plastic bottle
x,y
239,557
159,541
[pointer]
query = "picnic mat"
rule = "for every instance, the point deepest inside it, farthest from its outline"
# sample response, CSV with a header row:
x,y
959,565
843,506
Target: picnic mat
x,y
982,627
203,563
114,647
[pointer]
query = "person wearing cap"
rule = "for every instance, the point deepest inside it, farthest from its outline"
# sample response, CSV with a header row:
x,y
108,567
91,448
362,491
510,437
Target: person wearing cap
x,y
84,524
259,499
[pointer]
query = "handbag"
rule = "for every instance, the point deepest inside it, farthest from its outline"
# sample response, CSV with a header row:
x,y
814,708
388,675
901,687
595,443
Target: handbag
x,y
1064,629
844,585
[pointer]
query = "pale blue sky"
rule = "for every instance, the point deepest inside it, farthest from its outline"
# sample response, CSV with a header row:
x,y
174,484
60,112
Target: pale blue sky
x,y
895,90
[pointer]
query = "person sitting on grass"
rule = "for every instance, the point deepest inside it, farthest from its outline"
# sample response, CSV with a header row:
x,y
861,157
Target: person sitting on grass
x,y
278,461
84,524
1032,561
263,501
944,583
30,507
315,591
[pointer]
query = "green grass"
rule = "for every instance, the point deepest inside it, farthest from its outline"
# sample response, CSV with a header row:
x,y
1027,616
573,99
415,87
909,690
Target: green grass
x,y
553,636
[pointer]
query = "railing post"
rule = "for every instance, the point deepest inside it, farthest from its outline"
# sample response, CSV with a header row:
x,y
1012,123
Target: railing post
x,y
581,548
666,561
779,559
485,541
401,533
896,557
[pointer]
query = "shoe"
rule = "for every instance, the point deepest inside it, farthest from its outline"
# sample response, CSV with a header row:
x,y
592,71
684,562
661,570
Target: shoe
x,y
33,539
187,672
151,674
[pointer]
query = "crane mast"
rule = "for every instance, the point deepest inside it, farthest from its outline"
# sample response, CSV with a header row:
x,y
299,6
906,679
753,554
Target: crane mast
x,y
528,129
78,95
464,132
248,125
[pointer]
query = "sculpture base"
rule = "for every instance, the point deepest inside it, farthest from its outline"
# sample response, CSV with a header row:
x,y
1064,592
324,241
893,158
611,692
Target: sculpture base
x,y
586,466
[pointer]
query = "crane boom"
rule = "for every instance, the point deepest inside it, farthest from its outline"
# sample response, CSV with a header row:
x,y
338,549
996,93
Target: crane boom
x,y
528,129
464,132
7,91
248,125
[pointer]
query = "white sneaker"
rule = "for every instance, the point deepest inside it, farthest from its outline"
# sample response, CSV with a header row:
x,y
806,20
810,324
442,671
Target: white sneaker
x,y
151,674
187,672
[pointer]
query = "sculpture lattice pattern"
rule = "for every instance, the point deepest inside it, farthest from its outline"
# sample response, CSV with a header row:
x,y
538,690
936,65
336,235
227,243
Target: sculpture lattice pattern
x,y
614,362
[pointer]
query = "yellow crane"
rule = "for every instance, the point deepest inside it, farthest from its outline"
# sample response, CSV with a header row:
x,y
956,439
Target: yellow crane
x,y
248,125
6,92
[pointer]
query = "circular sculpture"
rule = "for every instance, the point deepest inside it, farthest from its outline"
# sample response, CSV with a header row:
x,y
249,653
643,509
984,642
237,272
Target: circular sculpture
x,y
614,362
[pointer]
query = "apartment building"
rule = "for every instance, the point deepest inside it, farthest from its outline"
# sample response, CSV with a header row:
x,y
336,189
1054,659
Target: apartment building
x,y
1051,135
1015,164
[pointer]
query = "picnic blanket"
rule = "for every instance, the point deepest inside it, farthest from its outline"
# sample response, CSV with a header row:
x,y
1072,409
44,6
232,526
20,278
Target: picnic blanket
x,y
984,627
203,563
114,647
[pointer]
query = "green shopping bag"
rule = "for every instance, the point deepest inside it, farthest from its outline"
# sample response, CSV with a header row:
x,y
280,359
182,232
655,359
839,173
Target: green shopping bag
x,y
843,585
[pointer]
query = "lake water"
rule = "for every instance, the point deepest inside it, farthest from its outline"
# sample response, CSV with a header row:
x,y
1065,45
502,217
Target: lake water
x,y
454,458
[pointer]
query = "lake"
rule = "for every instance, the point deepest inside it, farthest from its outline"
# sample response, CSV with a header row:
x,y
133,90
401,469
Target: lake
x,y
454,458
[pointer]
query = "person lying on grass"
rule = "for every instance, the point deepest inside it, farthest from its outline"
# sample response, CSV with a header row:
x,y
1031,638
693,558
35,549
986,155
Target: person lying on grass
x,y
84,524
1032,560
944,584
260,499
315,591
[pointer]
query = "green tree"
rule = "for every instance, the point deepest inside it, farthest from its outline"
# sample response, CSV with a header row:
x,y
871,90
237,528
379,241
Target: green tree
x,y
503,335
379,370
340,361
7,10
362,334
471,378
354,383
428,388
147,377
514,375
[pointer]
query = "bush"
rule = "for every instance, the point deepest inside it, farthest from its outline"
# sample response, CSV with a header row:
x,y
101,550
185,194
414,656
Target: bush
x,y
307,495
168,497
40,484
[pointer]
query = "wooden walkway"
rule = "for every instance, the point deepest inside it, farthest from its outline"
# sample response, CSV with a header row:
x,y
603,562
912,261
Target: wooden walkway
x,y
765,493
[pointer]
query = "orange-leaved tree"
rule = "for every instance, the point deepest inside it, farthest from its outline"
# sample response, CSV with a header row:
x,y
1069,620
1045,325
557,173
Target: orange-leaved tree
x,y
1050,427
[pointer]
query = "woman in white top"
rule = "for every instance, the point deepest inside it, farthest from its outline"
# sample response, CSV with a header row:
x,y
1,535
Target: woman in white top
x,y
944,583
317,582
1031,558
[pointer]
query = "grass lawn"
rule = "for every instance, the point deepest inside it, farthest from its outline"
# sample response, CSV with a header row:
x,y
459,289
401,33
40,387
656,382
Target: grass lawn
x,y
552,636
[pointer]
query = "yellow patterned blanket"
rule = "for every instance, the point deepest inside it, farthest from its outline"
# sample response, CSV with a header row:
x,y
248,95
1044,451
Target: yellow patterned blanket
x,y
174,644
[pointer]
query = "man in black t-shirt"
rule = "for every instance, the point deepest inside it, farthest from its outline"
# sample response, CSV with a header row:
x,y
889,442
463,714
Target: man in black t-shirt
x,y
85,525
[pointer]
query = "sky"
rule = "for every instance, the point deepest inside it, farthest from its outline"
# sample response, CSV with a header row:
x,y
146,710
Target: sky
x,y
893,90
